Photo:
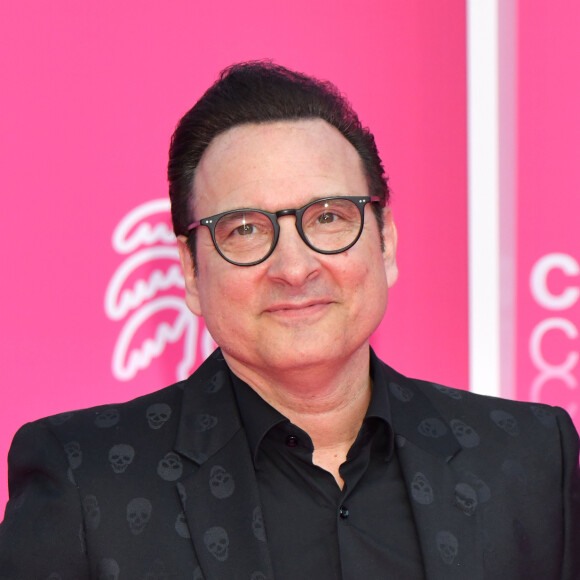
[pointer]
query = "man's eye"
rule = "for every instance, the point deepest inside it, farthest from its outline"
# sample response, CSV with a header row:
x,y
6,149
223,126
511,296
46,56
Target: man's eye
x,y
245,229
327,218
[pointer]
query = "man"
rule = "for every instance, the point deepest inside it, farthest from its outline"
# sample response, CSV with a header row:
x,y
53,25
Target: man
x,y
293,451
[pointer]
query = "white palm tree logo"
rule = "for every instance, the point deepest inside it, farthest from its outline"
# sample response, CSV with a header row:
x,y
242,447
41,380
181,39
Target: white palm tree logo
x,y
147,240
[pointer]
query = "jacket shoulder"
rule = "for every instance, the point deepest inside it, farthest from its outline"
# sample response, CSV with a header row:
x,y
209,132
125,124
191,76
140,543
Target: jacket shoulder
x,y
153,409
466,412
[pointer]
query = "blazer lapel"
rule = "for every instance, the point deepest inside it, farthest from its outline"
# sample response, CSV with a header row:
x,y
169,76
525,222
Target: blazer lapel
x,y
442,489
220,498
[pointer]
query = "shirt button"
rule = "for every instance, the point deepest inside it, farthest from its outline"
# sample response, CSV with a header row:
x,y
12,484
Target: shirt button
x,y
343,512
291,441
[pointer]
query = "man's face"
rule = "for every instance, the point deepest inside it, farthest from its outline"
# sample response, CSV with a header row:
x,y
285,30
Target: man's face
x,y
298,308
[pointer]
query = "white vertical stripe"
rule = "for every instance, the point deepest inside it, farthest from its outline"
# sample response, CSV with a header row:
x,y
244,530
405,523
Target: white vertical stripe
x,y
507,189
483,196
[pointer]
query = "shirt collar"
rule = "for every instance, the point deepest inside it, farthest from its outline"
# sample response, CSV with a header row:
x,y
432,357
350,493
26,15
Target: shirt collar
x,y
259,417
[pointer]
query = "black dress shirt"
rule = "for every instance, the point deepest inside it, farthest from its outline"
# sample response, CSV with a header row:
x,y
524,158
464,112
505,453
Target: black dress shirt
x,y
315,530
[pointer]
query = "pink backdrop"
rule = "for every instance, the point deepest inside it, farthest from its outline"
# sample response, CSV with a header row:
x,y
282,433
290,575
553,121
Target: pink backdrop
x,y
548,175
91,92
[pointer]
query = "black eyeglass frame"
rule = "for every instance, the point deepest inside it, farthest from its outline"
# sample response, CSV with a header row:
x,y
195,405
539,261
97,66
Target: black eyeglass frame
x,y
211,221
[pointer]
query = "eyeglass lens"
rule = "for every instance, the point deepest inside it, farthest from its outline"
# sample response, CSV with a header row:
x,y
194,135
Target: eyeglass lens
x,y
327,225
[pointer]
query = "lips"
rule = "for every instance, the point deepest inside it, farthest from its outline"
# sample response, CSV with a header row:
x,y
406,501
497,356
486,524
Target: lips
x,y
292,313
292,307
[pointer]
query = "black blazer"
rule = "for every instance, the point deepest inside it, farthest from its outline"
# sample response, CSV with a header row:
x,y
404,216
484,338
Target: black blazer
x,y
163,487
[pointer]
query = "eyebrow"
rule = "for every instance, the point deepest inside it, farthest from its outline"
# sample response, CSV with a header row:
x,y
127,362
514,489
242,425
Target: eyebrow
x,y
310,200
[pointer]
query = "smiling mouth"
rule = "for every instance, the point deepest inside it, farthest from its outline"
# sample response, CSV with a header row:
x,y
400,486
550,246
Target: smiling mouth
x,y
297,310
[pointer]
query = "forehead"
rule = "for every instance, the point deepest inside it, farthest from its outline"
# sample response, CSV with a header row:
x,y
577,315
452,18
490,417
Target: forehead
x,y
276,165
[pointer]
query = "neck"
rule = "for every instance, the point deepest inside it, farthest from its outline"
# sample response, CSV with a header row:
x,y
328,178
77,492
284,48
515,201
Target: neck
x,y
328,401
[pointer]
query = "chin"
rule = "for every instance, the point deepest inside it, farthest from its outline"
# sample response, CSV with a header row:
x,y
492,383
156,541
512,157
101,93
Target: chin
x,y
308,353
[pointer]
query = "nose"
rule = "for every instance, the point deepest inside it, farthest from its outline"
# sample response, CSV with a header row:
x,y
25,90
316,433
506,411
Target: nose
x,y
292,261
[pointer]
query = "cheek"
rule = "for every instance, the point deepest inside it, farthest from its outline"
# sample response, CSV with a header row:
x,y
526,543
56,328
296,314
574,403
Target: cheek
x,y
370,284
364,264
225,291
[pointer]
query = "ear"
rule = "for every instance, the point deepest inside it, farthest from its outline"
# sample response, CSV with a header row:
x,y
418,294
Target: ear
x,y
189,276
390,242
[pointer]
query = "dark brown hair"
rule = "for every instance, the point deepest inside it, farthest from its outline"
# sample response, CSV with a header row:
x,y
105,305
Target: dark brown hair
x,y
262,92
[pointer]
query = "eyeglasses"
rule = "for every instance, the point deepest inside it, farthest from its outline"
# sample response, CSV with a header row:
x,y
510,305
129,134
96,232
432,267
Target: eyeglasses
x,y
246,237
